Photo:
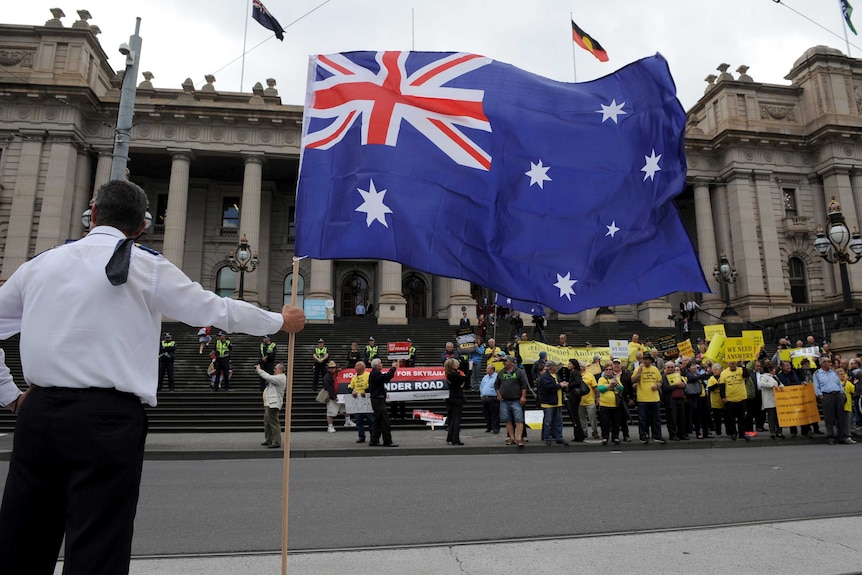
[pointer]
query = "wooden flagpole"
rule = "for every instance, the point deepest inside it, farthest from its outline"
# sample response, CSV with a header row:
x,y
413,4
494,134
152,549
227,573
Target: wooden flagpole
x,y
288,405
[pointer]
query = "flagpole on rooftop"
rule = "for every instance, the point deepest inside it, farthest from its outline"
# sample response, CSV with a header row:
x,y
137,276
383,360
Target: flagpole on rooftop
x,y
244,37
574,57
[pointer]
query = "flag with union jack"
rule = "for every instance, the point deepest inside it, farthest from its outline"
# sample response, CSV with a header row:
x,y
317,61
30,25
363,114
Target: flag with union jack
x,y
461,166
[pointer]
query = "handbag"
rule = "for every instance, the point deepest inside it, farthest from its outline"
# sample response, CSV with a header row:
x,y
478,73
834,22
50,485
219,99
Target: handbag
x,y
322,396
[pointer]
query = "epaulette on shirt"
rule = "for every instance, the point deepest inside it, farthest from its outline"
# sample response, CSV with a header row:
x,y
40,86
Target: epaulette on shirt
x,y
148,250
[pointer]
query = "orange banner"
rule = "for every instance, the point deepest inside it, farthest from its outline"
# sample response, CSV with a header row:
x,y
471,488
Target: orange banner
x,y
796,405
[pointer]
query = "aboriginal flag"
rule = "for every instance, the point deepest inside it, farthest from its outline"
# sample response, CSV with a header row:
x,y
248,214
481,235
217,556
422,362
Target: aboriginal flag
x,y
588,43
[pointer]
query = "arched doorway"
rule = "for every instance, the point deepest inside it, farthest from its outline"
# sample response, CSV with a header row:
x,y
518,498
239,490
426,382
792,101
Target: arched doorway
x,y
414,289
288,290
354,290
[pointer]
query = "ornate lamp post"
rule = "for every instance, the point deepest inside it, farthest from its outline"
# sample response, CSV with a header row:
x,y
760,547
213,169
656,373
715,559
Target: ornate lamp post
x,y
833,247
243,261
725,274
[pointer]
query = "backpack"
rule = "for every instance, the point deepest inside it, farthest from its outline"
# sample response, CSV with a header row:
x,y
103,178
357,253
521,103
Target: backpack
x,y
577,387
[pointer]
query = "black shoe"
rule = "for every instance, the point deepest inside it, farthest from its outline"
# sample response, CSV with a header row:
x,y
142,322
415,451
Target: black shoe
x,y
266,444
360,440
760,429
746,438
733,437
564,442
273,446
674,438
660,441
453,443
685,438
645,441
373,445
487,431
396,445
627,439
616,441
818,432
496,432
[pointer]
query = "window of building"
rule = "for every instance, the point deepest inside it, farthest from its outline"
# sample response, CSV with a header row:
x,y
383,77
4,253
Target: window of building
x,y
300,290
227,281
230,213
789,197
798,285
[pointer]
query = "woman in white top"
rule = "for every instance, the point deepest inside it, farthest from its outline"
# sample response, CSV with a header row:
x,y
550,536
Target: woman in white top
x,y
766,383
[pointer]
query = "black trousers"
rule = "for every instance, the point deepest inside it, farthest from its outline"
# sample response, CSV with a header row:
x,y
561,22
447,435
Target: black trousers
x,y
381,422
166,366
75,470
454,410
319,372
222,366
491,411
734,414
675,416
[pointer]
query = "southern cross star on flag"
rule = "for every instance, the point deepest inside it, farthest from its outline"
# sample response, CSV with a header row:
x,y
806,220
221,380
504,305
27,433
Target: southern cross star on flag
x,y
461,166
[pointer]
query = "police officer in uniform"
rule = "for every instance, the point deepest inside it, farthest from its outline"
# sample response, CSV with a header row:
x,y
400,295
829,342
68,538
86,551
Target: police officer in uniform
x,y
79,437
268,349
166,361
320,355
370,351
222,362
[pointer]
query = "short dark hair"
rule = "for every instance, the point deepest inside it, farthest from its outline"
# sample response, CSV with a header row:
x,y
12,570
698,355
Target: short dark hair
x,y
122,204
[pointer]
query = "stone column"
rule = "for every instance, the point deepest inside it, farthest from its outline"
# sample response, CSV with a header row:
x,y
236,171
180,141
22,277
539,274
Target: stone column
x,y
321,284
174,243
856,184
17,246
56,213
818,200
721,219
440,298
767,195
836,184
249,214
81,201
391,307
460,300
103,169
746,257
706,249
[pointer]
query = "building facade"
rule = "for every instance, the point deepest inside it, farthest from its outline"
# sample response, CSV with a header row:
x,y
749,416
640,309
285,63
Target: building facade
x,y
764,160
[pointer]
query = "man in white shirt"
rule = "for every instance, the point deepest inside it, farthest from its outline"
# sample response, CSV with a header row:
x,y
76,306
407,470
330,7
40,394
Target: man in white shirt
x,y
80,434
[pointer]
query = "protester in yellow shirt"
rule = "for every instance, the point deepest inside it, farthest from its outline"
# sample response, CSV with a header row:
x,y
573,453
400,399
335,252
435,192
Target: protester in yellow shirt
x,y
716,402
358,386
635,347
733,391
587,411
610,406
646,381
849,390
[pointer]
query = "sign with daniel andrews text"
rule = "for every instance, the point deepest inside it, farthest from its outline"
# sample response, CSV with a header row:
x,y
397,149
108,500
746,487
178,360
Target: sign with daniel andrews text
x,y
409,384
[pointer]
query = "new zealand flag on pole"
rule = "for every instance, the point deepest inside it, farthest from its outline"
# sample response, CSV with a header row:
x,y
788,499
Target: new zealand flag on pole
x,y
265,19
460,166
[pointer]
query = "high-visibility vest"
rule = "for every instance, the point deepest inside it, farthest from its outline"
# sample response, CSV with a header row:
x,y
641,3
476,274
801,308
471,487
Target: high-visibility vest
x,y
222,347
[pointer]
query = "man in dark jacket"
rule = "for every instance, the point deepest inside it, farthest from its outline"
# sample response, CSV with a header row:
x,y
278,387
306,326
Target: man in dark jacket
x,y
377,381
551,400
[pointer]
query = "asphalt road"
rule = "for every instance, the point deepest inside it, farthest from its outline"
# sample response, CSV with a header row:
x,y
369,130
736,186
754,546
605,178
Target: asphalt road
x,y
201,507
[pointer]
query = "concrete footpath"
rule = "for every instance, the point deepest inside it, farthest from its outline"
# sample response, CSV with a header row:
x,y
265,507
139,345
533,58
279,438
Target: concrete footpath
x,y
825,546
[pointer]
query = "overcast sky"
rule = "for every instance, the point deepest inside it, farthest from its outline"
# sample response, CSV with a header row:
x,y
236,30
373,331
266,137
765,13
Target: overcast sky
x,y
190,38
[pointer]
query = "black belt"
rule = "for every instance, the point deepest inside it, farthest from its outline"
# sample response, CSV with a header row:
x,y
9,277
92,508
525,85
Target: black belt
x,y
489,397
73,391
830,392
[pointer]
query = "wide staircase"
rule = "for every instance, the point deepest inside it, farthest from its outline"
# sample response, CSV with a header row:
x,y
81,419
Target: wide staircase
x,y
194,407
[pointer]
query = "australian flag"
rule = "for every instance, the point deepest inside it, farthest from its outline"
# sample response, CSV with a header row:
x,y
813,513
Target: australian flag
x,y
461,166
265,19
532,308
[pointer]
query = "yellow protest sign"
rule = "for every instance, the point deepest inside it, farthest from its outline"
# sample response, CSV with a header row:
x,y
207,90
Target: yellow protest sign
x,y
715,351
796,405
756,337
674,378
530,353
739,349
784,354
710,331
685,348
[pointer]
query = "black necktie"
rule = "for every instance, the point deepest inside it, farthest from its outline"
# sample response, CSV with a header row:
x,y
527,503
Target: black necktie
x,y
117,269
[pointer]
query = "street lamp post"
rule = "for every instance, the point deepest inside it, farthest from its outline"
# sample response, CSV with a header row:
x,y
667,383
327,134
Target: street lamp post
x,y
242,261
833,247
725,274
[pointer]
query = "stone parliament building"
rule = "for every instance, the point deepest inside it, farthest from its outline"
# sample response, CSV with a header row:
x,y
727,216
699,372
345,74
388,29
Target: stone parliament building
x,y
764,161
